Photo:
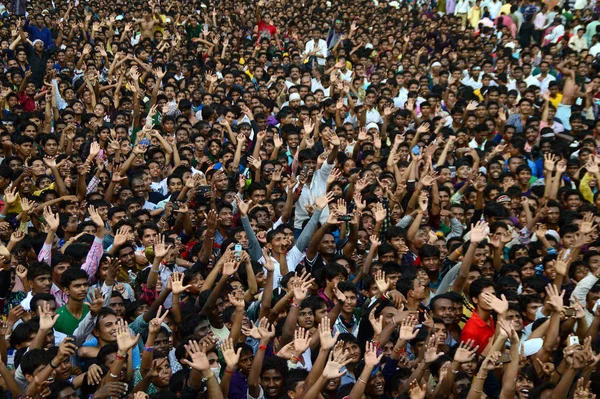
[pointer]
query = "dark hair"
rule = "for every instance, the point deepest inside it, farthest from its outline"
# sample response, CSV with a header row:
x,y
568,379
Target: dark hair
x,y
40,297
37,269
32,359
72,274
478,286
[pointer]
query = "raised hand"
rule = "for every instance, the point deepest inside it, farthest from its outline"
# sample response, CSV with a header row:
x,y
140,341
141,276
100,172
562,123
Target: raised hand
x,y
555,297
327,341
125,340
479,231
96,301
301,341
380,212
229,354
407,329
17,236
177,286
300,289
466,352
370,356
237,300
10,195
95,216
583,390
383,284
322,201
266,330
334,365
111,389
376,323
499,305
243,206
47,320
155,323
431,353
197,354
415,391
160,248
491,362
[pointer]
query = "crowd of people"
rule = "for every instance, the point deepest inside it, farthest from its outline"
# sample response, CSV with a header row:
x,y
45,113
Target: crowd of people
x,y
300,199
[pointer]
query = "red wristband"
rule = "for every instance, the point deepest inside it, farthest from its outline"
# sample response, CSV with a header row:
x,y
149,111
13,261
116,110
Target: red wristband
x,y
121,357
262,348
227,371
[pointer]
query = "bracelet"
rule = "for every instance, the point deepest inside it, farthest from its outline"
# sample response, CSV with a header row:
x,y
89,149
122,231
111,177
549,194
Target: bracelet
x,y
53,366
211,375
114,375
2,216
262,347
398,350
148,349
121,357
295,304
297,359
228,371
361,380
476,391
153,271
481,378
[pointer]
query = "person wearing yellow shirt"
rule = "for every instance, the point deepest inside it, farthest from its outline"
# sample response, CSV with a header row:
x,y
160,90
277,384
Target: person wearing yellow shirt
x,y
555,95
475,14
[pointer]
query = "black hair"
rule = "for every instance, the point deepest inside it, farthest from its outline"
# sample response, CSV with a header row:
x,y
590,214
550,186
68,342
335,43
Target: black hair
x,y
72,274
478,286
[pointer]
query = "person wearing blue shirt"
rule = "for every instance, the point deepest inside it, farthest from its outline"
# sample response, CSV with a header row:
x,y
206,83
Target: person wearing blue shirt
x,y
38,30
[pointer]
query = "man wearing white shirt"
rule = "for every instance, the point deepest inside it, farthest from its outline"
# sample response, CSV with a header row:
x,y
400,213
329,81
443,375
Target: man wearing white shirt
x,y
543,79
577,42
473,79
557,32
316,47
494,8
595,48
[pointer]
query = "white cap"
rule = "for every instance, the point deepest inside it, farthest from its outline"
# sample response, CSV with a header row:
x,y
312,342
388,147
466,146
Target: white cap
x,y
436,65
532,346
35,41
372,125
294,96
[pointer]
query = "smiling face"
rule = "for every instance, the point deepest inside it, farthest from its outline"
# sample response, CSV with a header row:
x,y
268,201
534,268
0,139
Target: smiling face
x,y
272,383
523,386
106,330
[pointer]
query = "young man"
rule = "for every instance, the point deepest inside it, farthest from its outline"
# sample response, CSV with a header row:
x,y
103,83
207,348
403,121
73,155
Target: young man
x,y
347,321
39,278
481,326
75,312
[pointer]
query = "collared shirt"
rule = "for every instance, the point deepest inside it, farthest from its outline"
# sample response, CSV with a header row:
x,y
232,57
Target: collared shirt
x,y
60,296
330,303
470,81
479,331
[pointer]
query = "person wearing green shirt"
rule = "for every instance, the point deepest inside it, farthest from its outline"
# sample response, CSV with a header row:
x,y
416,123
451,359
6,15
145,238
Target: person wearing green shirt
x,y
193,28
75,284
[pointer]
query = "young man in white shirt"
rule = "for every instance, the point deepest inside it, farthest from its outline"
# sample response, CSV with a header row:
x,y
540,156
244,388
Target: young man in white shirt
x,y
316,47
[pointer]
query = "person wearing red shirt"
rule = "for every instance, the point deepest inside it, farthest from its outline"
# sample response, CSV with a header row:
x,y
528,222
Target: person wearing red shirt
x,y
266,29
481,326
26,94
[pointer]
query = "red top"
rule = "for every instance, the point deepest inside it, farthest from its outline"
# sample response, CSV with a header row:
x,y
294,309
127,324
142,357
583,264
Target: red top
x,y
479,331
266,30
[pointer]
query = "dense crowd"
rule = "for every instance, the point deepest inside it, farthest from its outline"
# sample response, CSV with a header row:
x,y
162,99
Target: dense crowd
x,y
299,199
